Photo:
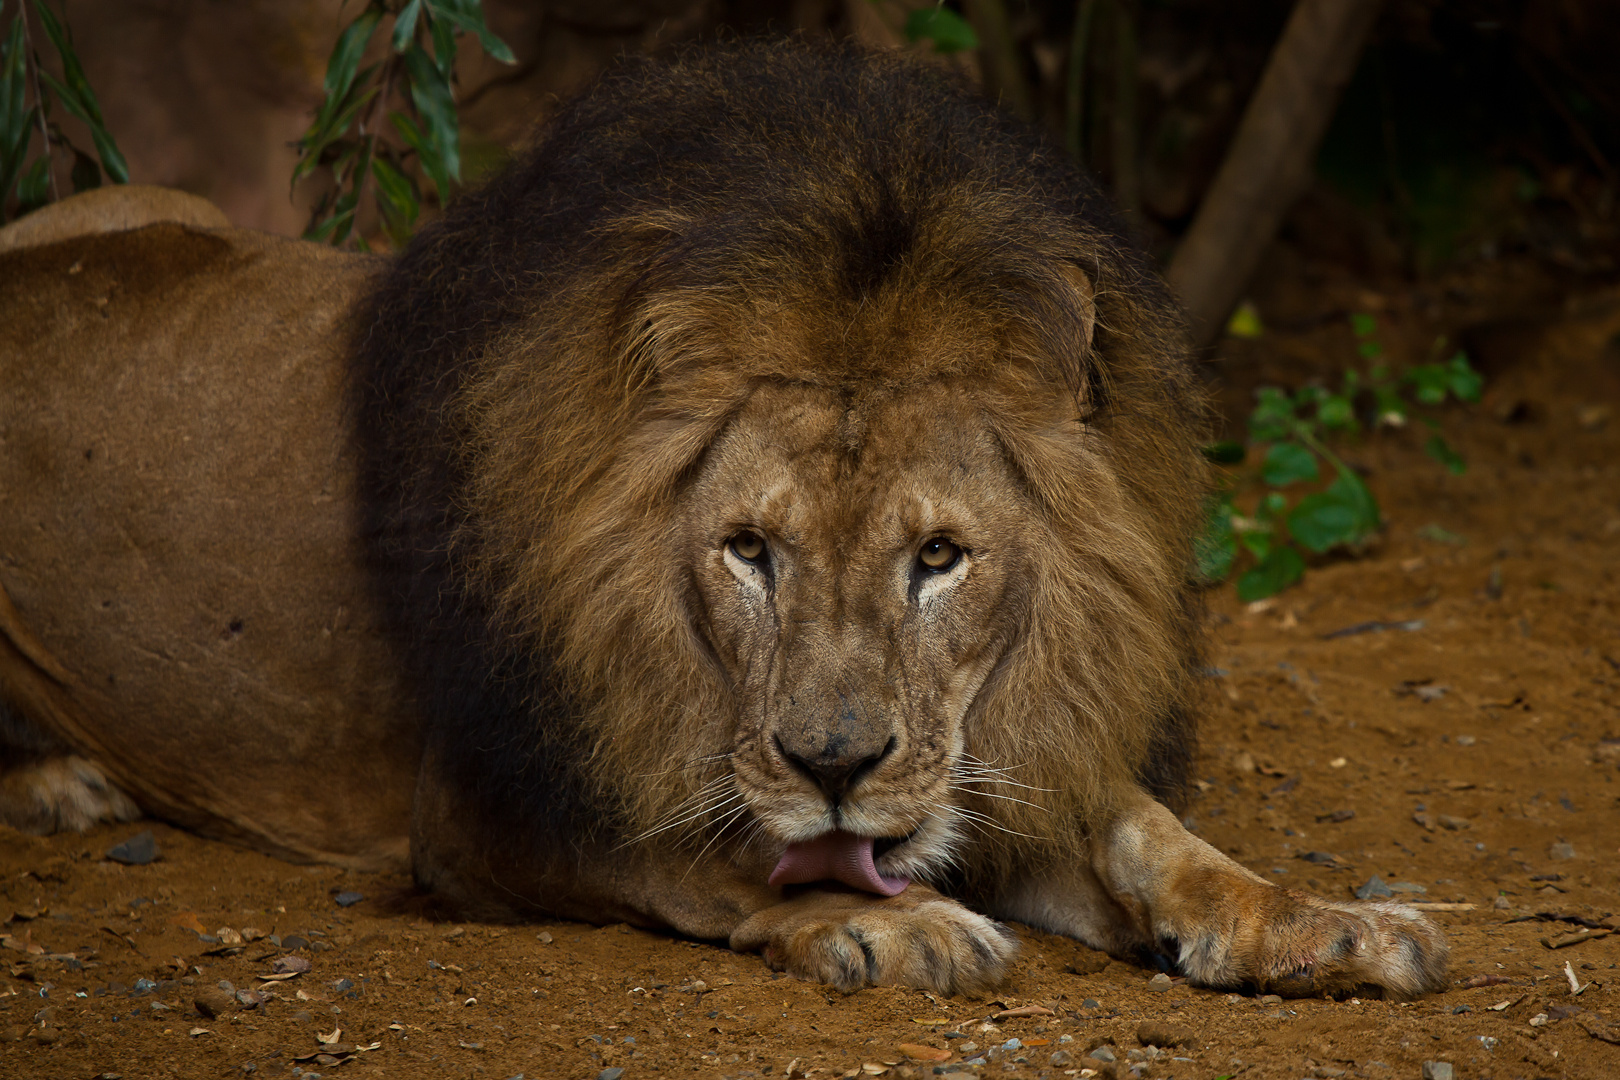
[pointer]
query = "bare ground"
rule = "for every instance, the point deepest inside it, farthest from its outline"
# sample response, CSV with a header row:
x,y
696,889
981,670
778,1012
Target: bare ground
x,y
1469,759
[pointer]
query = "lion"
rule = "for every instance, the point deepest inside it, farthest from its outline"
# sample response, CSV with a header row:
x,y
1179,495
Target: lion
x,y
763,512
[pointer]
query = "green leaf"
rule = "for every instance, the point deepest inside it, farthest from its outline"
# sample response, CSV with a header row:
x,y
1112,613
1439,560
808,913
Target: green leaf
x,y
1258,542
86,173
469,16
1369,349
1288,463
444,47
405,25
397,198
436,109
949,32
1442,452
344,63
329,126
1215,550
426,152
1273,415
16,117
34,189
1271,505
1465,382
1363,325
1344,513
1226,452
1336,413
1245,322
77,96
1275,572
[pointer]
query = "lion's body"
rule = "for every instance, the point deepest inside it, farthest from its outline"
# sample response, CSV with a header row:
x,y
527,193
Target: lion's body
x,y
787,462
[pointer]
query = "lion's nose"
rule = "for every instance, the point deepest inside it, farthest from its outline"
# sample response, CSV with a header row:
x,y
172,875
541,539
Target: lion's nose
x,y
834,760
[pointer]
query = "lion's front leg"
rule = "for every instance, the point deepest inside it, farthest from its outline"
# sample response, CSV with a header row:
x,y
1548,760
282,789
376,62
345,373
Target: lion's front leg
x,y
1150,884
850,940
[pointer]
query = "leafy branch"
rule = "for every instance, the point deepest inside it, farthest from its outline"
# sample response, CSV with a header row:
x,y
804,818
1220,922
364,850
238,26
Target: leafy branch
x,y
348,142
28,90
1295,429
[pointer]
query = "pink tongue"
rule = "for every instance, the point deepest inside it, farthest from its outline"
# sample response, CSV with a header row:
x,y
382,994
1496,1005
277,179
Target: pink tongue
x,y
836,856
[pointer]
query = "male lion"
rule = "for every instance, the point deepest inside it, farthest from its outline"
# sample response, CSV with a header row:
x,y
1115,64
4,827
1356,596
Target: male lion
x,y
768,504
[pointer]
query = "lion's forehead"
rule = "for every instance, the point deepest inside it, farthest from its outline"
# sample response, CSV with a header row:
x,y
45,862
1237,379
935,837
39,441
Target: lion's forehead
x,y
815,463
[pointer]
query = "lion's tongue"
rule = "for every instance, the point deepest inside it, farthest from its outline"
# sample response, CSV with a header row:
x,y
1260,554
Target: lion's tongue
x,y
836,856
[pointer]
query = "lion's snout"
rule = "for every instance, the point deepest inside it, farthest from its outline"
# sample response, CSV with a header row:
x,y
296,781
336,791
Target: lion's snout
x,y
836,753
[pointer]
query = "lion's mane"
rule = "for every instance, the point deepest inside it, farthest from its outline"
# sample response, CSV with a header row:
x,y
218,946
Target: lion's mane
x,y
542,369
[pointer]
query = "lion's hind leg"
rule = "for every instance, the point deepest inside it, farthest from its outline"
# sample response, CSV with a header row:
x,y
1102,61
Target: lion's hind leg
x,y
1150,886
850,940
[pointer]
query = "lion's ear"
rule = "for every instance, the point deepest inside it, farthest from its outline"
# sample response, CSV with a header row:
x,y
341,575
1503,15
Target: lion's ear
x,y
1085,295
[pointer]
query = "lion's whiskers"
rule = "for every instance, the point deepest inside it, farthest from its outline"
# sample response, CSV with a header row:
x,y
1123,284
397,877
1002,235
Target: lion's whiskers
x,y
719,830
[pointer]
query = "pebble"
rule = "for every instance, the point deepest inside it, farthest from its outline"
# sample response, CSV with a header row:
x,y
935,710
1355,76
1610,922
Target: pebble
x,y
214,1001
1103,1053
287,964
1373,889
1488,1041
138,850
1438,1070
1060,1058
1160,983
615,1072
348,898
1561,851
1161,1034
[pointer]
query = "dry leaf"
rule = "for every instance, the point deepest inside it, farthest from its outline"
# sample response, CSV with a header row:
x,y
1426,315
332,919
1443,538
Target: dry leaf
x,y
1023,1010
187,920
923,1053
194,1032
328,1040
933,1020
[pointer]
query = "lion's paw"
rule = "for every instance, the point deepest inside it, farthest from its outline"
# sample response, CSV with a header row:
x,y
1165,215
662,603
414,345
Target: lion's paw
x,y
61,794
847,940
1302,946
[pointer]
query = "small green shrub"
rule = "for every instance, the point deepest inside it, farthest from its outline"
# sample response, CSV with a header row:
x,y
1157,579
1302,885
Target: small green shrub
x,y
422,139
1295,430
28,96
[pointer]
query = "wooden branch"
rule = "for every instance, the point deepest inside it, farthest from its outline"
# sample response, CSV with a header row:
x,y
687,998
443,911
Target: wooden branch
x,y
1269,164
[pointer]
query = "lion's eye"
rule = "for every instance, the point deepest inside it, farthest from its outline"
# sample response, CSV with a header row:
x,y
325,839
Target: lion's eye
x,y
747,546
938,555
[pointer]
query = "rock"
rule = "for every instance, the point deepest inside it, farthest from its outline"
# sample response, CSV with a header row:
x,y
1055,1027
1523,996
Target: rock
x,y
249,999
294,941
1154,1033
286,965
1561,851
1455,824
138,850
616,1072
1060,1059
348,898
1373,889
1103,1053
1160,983
1438,1070
215,1001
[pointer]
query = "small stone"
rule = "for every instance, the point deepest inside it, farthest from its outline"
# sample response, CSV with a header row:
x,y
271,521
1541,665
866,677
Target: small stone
x,y
1465,740
1373,889
227,936
249,999
252,933
142,986
1407,887
1488,1041
1160,983
616,1072
1161,1034
215,1001
1270,999
544,937
1103,1053
1455,824
286,965
1090,1003
138,850
294,941
1502,903
1561,851
1060,1058
348,898
1438,1070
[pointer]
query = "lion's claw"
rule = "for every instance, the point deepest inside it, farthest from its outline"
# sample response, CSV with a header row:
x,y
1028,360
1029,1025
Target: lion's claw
x,y
848,941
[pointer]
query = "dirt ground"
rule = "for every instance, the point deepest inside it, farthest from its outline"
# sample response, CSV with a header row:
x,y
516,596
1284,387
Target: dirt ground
x,y
1466,755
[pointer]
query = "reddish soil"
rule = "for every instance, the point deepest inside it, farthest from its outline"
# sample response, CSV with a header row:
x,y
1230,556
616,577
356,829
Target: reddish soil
x,y
1469,758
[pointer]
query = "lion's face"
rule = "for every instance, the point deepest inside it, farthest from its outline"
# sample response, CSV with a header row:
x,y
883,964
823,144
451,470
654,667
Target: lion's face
x,y
859,575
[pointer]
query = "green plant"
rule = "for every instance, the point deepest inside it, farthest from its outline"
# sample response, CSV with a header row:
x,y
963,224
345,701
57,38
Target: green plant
x,y
348,142
1295,429
27,93
949,32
